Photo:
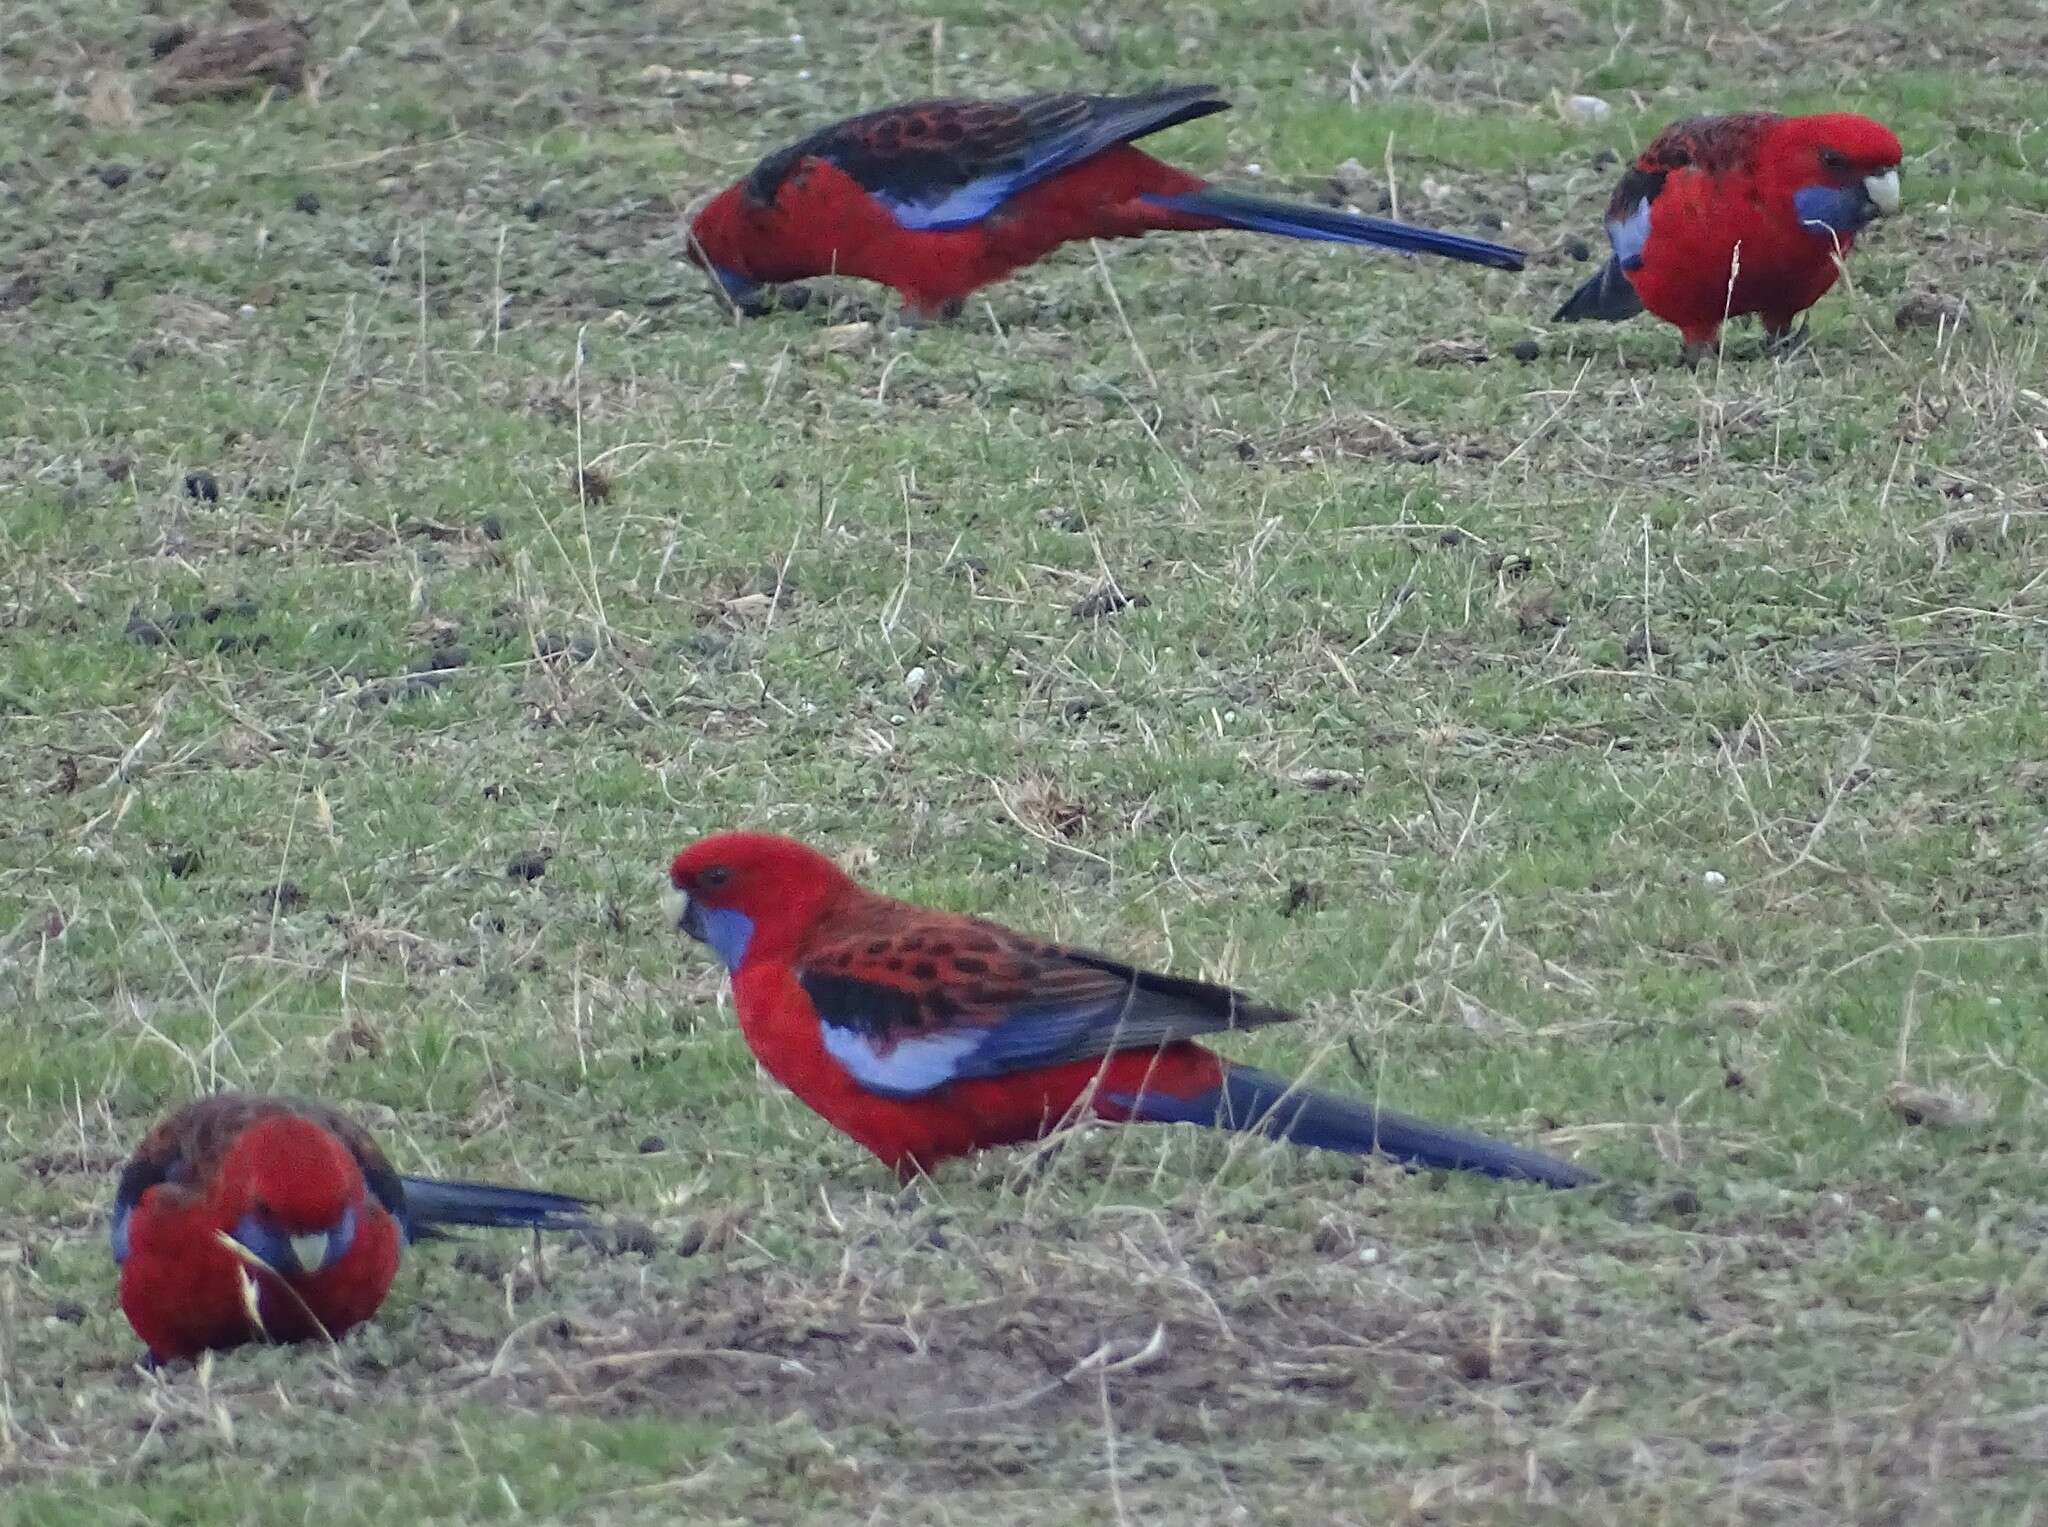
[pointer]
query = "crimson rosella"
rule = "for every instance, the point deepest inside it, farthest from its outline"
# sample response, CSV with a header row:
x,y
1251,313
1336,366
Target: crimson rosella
x,y
926,1035
938,198
1752,213
245,1218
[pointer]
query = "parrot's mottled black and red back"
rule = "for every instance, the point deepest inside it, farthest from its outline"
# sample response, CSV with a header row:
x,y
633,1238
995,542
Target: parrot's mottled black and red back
x,y
922,154
887,975
187,1149
1715,145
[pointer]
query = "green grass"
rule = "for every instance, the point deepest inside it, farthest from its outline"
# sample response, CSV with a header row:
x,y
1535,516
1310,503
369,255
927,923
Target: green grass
x,y
1386,740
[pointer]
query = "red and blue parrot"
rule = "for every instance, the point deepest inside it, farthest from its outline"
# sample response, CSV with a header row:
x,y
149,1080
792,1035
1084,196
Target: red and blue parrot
x,y
248,1218
939,198
1752,213
927,1035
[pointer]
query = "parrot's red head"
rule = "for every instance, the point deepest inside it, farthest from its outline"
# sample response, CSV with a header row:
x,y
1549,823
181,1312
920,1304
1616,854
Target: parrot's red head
x,y
1842,170
751,894
294,1192
716,243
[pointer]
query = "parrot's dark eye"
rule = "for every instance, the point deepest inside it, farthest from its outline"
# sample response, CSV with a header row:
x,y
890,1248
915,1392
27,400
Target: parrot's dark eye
x,y
714,877
1834,162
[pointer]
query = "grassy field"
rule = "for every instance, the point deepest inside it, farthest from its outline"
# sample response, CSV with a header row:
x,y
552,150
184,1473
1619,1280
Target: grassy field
x,y
403,557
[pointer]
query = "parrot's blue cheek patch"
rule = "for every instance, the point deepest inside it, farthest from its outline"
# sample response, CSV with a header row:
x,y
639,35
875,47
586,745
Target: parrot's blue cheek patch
x,y
262,1238
738,287
1828,211
1630,236
297,1254
319,1252
727,932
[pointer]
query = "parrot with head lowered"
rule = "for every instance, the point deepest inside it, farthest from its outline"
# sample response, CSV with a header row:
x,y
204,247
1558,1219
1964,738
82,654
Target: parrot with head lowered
x,y
249,1218
940,198
927,1035
1752,213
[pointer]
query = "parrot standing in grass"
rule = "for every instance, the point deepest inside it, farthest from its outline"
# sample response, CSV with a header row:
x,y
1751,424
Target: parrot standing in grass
x,y
1752,213
927,1035
939,198
245,1218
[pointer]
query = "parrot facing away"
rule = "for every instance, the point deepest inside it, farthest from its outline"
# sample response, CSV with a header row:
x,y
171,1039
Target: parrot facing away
x,y
926,1035
1752,213
248,1218
939,198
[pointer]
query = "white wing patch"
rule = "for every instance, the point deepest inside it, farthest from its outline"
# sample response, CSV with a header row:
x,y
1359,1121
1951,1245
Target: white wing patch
x,y
906,1069
959,208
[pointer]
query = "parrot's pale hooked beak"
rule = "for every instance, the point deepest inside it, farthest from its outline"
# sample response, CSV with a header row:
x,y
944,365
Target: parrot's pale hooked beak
x,y
311,1250
1883,191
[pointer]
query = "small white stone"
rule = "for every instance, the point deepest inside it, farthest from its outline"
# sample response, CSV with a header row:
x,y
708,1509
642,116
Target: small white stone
x,y
1368,1254
1253,169
1932,1214
796,39
1713,880
803,74
248,310
915,681
1587,110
